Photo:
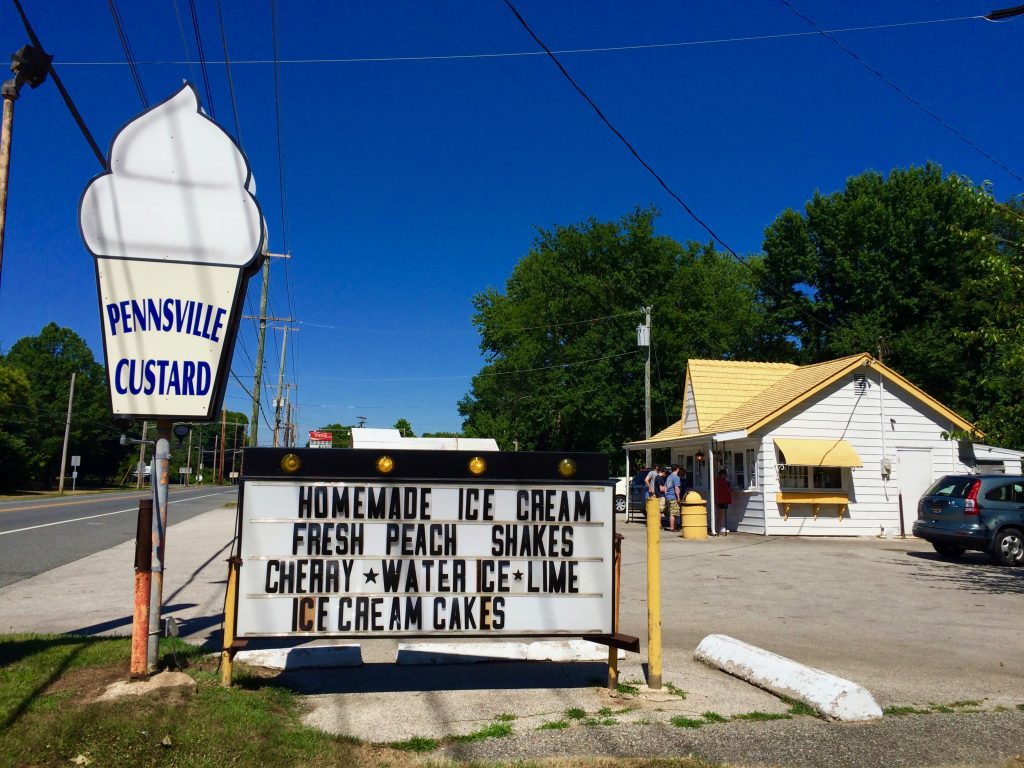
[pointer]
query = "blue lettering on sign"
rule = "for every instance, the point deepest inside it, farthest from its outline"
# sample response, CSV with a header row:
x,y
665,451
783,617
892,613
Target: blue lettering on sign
x,y
162,377
195,318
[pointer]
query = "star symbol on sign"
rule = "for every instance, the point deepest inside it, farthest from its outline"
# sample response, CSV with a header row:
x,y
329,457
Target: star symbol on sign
x,y
518,575
370,575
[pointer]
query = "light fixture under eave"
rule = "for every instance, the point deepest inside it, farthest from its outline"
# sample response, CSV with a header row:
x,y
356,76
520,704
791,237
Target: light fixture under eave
x,y
699,457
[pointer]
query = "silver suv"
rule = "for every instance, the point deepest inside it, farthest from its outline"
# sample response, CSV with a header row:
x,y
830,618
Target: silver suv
x,y
980,512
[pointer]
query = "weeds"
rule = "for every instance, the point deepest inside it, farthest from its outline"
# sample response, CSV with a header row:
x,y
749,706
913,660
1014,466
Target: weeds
x,y
415,744
554,725
758,716
686,722
714,717
493,731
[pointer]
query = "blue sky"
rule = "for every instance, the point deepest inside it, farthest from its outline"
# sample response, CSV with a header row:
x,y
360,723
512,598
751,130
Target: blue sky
x,y
414,184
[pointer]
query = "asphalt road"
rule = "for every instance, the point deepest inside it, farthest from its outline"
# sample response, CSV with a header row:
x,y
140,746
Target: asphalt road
x,y
37,535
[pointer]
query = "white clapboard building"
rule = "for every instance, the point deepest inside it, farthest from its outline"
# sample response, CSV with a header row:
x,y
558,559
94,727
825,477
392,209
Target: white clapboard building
x,y
840,448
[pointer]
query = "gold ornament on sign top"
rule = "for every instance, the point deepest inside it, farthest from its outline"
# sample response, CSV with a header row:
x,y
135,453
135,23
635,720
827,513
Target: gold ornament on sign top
x,y
290,463
477,465
567,467
385,465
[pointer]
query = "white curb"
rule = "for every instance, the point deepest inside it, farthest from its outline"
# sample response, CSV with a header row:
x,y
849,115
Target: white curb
x,y
832,696
304,657
474,653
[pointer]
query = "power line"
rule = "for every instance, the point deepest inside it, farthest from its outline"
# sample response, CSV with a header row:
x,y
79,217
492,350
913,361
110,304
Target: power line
x,y
128,55
63,91
644,163
280,131
202,59
560,52
231,82
852,54
184,42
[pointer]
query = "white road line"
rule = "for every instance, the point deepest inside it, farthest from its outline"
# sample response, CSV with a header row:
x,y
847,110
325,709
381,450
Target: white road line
x,y
105,514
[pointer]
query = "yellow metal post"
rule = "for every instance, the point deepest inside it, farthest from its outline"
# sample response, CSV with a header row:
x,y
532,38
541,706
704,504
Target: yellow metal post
x,y
653,593
227,654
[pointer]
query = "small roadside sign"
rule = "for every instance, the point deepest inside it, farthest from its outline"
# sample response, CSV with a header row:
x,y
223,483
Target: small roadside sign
x,y
76,461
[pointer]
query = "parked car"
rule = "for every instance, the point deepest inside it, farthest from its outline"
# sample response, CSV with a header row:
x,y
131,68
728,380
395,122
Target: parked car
x,y
621,493
977,512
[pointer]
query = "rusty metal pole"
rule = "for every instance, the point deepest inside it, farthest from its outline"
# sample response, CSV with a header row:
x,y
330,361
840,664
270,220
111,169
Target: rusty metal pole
x,y
143,585
9,95
613,653
161,462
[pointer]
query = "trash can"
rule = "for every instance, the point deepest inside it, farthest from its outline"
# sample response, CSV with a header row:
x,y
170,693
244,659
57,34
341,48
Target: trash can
x,y
695,516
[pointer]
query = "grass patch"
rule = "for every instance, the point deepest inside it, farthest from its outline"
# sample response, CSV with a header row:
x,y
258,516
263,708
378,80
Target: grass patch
x,y
901,711
941,708
714,717
592,721
554,725
492,731
604,711
575,713
415,744
675,691
758,716
46,718
505,717
629,687
799,708
1020,707
686,722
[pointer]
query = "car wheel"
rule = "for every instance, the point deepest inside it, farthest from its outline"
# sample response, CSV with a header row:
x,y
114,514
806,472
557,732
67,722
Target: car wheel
x,y
949,551
1008,547
620,504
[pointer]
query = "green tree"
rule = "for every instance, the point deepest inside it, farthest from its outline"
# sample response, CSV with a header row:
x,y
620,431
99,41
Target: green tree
x,y
563,370
887,265
404,428
1001,329
17,411
47,361
341,436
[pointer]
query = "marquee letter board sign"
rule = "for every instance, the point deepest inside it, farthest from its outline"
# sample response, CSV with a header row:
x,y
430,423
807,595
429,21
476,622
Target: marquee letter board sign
x,y
176,233
370,543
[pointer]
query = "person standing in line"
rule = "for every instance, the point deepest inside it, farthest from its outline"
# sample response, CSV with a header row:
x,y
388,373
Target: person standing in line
x,y
672,498
659,489
723,498
652,474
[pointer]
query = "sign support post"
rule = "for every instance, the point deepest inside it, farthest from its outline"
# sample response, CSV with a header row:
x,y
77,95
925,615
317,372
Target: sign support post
x,y
161,461
227,654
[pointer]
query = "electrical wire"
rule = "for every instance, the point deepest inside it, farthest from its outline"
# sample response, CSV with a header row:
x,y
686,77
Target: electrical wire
x,y
202,59
128,55
560,52
231,82
657,177
63,91
184,42
852,54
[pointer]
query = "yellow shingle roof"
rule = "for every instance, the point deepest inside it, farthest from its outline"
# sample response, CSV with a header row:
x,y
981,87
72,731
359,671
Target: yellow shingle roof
x,y
722,386
783,392
733,395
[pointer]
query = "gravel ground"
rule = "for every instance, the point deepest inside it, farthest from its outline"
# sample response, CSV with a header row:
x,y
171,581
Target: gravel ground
x,y
989,739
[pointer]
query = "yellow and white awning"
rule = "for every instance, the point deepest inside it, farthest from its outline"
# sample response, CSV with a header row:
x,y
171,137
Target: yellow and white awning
x,y
817,453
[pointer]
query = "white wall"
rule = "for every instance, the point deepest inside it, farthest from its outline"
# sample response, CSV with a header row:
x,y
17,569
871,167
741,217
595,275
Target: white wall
x,y
840,413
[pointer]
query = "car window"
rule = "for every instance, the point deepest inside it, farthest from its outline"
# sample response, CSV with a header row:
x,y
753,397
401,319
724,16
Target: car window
x,y
1002,492
1010,492
957,487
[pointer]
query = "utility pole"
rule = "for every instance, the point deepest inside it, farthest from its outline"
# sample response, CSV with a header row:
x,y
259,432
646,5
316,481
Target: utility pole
x,y
643,339
280,384
30,65
67,434
257,384
142,455
223,429
188,462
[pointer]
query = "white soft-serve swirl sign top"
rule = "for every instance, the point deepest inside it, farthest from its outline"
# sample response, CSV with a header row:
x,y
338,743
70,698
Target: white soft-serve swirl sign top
x,y
178,189
176,232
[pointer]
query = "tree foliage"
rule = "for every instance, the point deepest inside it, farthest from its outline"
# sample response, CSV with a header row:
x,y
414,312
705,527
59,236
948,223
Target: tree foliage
x,y
890,266
563,370
341,435
47,362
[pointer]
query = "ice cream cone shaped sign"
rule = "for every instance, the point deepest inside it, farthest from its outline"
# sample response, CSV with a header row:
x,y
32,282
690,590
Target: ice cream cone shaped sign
x,y
176,233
